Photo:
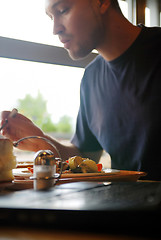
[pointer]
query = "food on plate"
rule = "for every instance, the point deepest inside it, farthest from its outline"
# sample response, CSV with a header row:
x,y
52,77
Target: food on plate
x,y
74,162
65,166
83,165
88,166
7,160
77,164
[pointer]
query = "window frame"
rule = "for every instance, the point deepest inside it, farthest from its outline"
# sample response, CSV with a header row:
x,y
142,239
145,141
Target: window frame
x,y
36,52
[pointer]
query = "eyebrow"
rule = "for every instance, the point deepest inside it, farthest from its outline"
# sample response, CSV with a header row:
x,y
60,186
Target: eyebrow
x,y
56,4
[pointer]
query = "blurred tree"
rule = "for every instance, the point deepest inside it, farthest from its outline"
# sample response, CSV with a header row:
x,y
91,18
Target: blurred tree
x,y
36,110
64,124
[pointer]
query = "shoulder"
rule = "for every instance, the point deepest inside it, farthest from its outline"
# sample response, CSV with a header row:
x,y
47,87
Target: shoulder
x,y
93,71
152,30
151,34
95,64
95,67
148,44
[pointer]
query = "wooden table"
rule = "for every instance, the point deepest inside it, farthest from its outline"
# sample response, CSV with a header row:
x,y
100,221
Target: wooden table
x,y
8,232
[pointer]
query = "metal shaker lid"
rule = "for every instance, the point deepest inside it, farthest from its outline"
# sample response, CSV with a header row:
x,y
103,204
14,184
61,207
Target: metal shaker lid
x,y
45,157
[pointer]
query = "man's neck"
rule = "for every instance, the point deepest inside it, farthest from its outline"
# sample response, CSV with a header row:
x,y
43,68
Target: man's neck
x,y
118,37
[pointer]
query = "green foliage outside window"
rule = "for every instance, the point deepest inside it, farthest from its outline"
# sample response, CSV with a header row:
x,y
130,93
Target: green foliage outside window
x,y
36,110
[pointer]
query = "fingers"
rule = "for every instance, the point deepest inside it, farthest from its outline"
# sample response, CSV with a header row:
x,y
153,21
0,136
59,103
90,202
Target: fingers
x,y
4,122
7,114
14,119
16,125
4,114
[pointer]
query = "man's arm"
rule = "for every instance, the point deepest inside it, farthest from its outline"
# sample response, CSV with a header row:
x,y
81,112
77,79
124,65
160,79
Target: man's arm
x,y
70,150
20,126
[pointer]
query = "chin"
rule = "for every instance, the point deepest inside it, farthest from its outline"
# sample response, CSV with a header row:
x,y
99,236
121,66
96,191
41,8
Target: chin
x,y
78,55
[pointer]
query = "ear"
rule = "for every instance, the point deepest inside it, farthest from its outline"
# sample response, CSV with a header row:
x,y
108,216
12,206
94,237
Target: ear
x,y
104,5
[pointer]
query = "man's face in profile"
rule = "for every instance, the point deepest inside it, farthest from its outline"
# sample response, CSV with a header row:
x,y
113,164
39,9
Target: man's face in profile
x,y
77,24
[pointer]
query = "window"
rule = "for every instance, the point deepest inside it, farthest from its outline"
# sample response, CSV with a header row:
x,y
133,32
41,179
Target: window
x,y
26,20
59,85
124,8
152,13
147,17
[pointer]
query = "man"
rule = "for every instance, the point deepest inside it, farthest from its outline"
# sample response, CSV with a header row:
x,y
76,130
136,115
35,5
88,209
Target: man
x,y
120,91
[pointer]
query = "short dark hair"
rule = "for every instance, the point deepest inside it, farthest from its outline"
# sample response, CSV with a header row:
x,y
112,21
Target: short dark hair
x,y
115,4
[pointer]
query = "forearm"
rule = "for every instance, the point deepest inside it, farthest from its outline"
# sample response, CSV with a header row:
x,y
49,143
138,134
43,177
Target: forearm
x,y
65,150
69,150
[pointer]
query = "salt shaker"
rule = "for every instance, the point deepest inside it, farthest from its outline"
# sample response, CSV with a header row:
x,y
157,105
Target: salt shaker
x,y
44,174
44,170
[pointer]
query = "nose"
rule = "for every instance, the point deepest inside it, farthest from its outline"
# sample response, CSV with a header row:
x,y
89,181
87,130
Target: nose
x,y
58,28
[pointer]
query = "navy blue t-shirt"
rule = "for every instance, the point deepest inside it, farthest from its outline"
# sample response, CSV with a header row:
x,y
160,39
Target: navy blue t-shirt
x,y
120,107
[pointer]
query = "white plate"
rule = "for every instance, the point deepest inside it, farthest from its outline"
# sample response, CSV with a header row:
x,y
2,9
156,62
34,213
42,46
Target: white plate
x,y
21,172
